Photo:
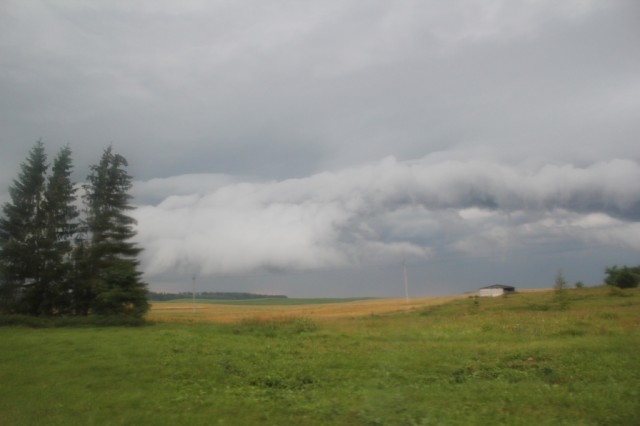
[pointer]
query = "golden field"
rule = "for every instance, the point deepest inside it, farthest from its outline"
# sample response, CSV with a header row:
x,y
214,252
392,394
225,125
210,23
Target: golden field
x,y
210,312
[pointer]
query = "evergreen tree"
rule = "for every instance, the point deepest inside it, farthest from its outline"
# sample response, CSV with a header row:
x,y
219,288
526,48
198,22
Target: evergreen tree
x,y
109,261
22,234
81,282
61,228
46,268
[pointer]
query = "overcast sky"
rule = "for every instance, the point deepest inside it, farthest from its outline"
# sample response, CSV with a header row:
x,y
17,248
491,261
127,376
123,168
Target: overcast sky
x,y
312,148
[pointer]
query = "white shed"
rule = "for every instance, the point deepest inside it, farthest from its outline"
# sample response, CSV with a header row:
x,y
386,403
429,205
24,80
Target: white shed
x,y
496,290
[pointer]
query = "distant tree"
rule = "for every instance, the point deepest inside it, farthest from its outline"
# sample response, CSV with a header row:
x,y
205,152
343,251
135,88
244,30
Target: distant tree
x,y
579,284
22,235
109,259
217,295
624,277
560,290
560,283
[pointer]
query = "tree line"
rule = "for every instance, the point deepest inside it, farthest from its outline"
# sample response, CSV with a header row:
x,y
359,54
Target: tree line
x,y
64,254
214,295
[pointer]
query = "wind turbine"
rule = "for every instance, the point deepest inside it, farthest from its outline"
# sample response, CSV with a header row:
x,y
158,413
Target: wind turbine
x,y
406,284
193,294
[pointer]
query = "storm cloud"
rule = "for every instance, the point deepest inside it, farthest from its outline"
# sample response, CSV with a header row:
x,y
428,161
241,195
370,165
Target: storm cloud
x,y
312,148
391,211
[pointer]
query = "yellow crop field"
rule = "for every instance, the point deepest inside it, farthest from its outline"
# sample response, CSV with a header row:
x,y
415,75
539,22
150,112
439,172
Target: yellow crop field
x,y
207,312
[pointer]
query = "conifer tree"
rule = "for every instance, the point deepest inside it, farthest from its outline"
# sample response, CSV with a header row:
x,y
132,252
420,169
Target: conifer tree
x,y
114,283
22,234
61,228
81,281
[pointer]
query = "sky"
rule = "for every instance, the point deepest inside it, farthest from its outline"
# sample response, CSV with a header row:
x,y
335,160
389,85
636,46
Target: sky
x,y
317,149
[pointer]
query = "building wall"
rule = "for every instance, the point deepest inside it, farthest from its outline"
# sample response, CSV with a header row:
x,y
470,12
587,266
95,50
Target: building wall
x,y
491,292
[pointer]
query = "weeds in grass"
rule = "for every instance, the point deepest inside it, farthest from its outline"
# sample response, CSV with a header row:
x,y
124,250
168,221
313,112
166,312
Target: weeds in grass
x,y
618,292
273,327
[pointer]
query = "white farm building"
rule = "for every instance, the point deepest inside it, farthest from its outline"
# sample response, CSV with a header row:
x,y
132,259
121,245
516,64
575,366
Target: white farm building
x,y
496,290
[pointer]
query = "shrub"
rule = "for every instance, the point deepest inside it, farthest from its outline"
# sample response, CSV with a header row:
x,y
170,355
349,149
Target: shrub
x,y
24,321
624,277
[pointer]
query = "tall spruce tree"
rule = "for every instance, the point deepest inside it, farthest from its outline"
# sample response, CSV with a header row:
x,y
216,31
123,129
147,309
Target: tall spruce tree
x,y
109,259
22,235
61,227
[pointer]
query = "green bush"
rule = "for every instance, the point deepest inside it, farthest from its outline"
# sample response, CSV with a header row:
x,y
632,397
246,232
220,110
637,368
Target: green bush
x,y
24,320
624,277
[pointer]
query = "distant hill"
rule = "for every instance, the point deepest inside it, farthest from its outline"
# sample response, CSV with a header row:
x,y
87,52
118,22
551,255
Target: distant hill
x,y
217,295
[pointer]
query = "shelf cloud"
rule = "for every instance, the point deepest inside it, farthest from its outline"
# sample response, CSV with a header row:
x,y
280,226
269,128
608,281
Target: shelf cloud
x,y
388,212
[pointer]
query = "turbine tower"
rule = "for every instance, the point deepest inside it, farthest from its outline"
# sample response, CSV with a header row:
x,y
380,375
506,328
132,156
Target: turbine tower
x,y
406,284
193,294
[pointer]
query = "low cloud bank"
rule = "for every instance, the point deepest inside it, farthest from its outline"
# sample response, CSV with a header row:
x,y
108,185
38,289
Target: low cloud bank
x,y
385,212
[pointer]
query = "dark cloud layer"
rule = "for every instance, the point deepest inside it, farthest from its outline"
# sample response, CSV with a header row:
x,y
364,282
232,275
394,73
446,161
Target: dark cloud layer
x,y
526,112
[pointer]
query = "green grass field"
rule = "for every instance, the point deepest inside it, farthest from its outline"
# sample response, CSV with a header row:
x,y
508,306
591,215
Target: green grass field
x,y
526,359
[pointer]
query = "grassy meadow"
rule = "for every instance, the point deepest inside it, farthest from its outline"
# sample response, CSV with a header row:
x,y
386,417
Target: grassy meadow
x,y
525,359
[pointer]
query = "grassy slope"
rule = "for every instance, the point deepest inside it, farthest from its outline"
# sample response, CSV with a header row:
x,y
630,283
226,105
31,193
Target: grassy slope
x,y
514,360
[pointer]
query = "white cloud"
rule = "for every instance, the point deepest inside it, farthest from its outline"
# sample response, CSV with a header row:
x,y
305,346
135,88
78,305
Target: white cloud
x,y
384,212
